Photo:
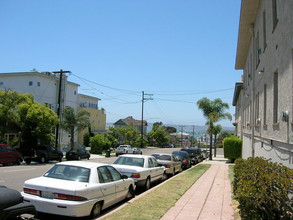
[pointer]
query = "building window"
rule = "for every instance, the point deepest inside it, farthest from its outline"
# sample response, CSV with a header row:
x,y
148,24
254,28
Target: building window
x,y
39,83
275,13
265,104
264,29
74,92
275,107
30,83
1,83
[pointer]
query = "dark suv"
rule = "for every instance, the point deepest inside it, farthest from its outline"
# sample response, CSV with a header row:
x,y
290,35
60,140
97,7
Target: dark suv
x,y
194,154
43,154
184,158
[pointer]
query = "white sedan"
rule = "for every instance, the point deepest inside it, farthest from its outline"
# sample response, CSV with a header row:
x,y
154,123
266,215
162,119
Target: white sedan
x,y
77,189
144,169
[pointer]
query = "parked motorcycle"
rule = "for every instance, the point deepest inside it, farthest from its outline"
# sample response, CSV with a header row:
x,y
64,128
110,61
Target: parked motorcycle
x,y
12,205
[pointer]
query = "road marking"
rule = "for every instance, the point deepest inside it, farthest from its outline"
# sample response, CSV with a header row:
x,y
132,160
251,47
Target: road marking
x,y
9,171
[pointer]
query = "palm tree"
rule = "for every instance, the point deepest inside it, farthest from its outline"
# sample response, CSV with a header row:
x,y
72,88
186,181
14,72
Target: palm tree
x,y
73,122
213,111
217,129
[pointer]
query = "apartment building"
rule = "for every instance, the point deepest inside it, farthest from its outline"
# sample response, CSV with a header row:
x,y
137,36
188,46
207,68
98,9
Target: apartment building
x,y
263,98
45,87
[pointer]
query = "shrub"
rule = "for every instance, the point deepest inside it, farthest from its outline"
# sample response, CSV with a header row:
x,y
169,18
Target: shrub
x,y
263,189
232,148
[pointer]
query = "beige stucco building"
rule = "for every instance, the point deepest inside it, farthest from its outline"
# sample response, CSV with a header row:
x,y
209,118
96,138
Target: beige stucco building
x,y
264,96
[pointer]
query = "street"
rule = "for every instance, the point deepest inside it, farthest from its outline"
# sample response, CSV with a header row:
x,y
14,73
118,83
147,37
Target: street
x,y
14,176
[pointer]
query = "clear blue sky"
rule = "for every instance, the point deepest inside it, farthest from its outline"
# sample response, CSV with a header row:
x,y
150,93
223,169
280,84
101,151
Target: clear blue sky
x,y
178,50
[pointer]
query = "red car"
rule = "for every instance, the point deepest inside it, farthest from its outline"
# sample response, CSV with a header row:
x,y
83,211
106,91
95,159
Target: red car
x,y
9,155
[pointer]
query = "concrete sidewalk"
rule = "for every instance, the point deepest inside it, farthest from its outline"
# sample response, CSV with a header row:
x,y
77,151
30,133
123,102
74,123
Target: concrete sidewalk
x,y
209,198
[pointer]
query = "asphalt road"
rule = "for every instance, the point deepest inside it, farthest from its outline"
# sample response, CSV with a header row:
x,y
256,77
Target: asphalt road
x,y
14,176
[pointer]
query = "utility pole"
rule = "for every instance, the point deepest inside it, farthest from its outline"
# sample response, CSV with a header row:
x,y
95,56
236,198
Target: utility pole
x,y
181,126
192,136
142,103
59,103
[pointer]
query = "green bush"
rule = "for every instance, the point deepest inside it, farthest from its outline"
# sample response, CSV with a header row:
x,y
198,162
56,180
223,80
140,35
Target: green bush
x,y
232,148
263,189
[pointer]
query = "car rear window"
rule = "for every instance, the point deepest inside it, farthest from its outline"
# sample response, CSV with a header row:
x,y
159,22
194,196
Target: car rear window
x,y
131,161
72,173
162,157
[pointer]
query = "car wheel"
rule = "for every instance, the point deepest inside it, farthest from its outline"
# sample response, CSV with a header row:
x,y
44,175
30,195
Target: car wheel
x,y
117,155
96,210
18,161
78,158
147,185
164,177
60,158
130,193
43,159
173,173
28,161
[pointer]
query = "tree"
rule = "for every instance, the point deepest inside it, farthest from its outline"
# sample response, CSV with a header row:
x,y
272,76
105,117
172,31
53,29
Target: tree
x,y
217,129
213,111
9,102
74,122
126,134
158,137
36,122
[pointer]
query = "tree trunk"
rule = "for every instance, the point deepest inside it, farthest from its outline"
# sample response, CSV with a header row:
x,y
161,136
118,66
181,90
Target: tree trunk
x,y
215,147
211,141
72,140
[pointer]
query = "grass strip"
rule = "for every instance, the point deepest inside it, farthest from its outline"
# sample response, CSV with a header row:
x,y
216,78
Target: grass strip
x,y
155,204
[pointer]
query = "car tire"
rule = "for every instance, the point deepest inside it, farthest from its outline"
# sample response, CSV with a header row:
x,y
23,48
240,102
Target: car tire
x,y
96,210
164,177
130,193
18,161
147,185
78,158
43,159
28,161
60,158
173,172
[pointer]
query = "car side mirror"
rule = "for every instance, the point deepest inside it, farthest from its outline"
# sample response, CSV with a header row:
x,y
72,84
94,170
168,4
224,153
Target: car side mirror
x,y
124,177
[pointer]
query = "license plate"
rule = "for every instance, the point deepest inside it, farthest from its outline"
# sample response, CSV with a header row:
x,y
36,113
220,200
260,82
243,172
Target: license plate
x,y
47,195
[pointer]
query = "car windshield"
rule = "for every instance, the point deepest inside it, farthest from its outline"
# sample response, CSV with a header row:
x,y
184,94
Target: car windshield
x,y
131,161
162,157
66,172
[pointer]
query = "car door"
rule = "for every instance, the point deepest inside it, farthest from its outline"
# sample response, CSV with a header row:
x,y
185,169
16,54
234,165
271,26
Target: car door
x,y
177,163
121,186
154,170
108,186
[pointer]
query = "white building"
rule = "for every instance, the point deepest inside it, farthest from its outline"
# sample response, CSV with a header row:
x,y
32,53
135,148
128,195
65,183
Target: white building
x,y
45,88
264,97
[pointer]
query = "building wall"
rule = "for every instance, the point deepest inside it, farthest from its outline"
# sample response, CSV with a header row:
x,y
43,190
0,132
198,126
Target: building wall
x,y
271,51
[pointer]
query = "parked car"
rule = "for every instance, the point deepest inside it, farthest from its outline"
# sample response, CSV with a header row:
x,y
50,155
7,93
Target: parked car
x,y
205,152
137,151
123,149
77,189
77,154
184,158
169,161
43,154
194,154
9,155
144,169
12,205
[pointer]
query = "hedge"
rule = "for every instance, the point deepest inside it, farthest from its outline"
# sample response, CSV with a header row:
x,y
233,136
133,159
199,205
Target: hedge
x,y
232,148
263,189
